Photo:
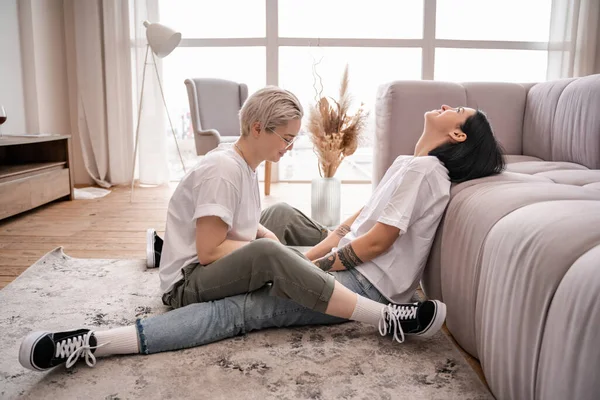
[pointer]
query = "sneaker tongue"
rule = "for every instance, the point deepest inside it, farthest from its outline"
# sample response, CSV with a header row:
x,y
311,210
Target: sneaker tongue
x,y
59,336
409,320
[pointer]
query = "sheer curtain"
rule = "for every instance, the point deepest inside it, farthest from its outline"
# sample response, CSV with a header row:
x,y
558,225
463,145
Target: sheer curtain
x,y
99,80
574,44
152,164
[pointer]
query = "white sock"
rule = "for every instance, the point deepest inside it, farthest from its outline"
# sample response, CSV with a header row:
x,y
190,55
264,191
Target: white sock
x,y
117,341
367,311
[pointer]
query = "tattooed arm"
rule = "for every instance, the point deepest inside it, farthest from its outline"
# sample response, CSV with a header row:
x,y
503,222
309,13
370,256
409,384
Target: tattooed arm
x,y
362,249
332,240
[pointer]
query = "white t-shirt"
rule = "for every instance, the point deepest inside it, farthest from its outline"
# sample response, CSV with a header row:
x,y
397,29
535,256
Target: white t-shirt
x,y
412,196
221,184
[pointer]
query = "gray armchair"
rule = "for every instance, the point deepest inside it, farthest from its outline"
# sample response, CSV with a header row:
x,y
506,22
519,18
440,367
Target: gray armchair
x,y
214,108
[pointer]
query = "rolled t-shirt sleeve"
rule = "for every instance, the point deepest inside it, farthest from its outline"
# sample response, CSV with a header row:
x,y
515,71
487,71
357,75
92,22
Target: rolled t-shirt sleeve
x,y
410,196
216,197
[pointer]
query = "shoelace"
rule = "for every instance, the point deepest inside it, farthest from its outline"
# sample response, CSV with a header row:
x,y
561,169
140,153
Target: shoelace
x,y
394,314
76,347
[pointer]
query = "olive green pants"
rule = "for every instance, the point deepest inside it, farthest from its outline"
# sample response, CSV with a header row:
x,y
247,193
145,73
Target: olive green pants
x,y
287,272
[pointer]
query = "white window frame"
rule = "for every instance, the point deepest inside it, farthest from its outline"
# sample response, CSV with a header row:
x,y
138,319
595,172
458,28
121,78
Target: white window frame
x,y
428,44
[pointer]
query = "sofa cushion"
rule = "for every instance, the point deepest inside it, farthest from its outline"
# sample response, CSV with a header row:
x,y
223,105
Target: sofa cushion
x,y
470,216
504,109
576,126
400,106
535,167
504,177
513,158
572,316
521,325
571,177
540,109
561,121
431,280
399,117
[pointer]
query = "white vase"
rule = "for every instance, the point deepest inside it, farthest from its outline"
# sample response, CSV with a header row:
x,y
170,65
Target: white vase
x,y
326,201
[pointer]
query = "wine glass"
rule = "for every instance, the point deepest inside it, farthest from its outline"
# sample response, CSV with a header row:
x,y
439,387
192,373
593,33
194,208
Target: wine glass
x,y
2,118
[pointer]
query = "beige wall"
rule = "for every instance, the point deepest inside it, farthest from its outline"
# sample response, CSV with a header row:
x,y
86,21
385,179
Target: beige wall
x,y
45,86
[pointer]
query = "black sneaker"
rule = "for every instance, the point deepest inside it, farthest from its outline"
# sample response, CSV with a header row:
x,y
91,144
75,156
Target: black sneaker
x,y
422,319
154,246
44,350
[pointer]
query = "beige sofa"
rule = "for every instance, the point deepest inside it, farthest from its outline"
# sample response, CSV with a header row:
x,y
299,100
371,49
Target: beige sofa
x,y
517,256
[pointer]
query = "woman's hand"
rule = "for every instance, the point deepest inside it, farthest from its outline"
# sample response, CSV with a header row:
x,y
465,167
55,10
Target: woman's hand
x,y
271,235
362,249
263,232
211,240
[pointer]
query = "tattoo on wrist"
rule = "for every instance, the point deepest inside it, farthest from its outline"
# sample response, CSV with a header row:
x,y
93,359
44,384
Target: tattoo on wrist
x,y
326,262
342,230
348,257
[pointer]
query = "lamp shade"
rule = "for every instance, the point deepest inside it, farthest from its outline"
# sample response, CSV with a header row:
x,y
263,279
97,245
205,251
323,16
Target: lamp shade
x,y
161,38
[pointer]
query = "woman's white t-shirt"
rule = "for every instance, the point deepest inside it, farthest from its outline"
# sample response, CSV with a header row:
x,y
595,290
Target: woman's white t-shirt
x,y
221,184
412,196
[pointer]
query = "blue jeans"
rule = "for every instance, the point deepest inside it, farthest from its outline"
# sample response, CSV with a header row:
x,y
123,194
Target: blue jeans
x,y
203,323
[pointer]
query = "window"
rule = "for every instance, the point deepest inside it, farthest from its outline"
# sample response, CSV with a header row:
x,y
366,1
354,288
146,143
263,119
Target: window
x,y
381,40
368,67
375,19
464,65
214,19
507,20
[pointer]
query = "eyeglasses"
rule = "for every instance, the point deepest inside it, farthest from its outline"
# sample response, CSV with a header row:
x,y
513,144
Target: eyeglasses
x,y
287,141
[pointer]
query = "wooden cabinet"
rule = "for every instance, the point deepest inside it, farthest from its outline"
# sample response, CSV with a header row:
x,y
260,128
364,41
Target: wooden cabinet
x,y
34,171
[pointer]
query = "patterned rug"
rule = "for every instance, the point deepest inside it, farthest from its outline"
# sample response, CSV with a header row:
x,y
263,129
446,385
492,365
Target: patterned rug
x,y
345,361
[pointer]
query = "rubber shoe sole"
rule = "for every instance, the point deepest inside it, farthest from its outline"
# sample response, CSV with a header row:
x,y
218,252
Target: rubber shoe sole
x,y
150,248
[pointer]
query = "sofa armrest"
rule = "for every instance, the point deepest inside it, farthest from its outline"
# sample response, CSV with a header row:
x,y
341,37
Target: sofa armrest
x,y
562,122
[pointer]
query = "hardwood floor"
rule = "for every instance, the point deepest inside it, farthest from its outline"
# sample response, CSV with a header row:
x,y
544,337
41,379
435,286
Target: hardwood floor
x,y
113,227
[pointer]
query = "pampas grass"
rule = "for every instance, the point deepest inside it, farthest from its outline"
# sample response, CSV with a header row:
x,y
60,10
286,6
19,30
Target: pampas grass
x,y
334,133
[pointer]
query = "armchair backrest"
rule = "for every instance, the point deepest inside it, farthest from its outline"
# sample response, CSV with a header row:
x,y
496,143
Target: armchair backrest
x,y
215,104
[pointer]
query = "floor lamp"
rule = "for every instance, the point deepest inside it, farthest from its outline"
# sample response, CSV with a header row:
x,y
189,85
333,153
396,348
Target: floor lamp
x,y
162,40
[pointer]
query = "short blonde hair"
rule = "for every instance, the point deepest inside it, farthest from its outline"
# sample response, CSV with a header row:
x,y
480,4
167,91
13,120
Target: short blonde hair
x,y
271,106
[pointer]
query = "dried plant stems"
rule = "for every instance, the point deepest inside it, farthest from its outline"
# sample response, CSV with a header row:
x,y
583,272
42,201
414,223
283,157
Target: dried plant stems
x,y
335,134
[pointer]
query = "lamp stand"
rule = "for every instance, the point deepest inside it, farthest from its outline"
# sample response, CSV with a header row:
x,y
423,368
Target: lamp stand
x,y
137,130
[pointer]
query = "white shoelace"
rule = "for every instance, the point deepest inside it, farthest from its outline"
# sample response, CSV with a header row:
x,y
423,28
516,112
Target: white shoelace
x,y
395,313
76,347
